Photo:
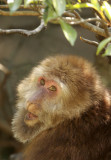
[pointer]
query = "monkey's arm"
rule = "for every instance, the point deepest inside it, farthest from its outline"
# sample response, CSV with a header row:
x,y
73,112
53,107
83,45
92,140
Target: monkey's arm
x,y
108,155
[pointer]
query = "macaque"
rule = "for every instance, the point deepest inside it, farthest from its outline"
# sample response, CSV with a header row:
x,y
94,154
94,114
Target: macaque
x,y
63,112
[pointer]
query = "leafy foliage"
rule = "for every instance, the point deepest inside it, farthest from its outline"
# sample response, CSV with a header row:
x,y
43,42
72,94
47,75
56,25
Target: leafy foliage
x,y
107,10
54,10
102,46
14,5
107,51
69,32
59,6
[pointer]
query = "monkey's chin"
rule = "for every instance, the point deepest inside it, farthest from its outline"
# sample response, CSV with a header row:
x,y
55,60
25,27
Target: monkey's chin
x,y
30,119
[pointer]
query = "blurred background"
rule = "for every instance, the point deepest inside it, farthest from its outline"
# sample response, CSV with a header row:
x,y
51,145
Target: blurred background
x,y
19,54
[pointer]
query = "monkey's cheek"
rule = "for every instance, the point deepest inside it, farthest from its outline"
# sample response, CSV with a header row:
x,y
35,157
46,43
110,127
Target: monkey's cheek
x,y
30,119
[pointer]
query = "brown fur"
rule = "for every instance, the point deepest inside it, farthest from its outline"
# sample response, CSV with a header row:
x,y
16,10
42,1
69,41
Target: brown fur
x,y
79,128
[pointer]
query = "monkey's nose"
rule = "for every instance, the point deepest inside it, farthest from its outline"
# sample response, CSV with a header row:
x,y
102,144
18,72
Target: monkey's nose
x,y
32,107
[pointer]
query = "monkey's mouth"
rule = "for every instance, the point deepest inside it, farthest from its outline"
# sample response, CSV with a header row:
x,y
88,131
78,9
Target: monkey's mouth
x,y
31,119
30,116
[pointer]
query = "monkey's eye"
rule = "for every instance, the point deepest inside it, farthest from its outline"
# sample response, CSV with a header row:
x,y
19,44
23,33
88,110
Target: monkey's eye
x,y
42,82
52,88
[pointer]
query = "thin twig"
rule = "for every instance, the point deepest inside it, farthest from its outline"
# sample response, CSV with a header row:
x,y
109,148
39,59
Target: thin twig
x,y
69,14
89,41
19,13
31,6
4,69
76,14
94,29
71,20
6,74
104,24
72,14
89,26
79,20
23,31
76,21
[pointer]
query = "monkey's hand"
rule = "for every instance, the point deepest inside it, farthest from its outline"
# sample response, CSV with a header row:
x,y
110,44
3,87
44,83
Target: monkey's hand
x,y
18,156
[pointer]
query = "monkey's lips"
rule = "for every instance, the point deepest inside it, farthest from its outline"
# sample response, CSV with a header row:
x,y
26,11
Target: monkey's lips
x,y
31,119
30,116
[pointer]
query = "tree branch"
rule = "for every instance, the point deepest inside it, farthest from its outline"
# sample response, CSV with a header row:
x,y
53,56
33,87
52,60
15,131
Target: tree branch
x,y
84,23
24,32
4,69
6,74
73,18
81,21
78,20
89,41
22,6
19,13
94,29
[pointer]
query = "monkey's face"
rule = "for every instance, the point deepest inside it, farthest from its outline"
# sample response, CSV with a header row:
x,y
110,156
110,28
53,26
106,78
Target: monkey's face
x,y
42,101
39,106
60,88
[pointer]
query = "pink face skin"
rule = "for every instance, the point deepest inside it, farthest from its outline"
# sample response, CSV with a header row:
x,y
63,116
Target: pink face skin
x,y
48,84
46,89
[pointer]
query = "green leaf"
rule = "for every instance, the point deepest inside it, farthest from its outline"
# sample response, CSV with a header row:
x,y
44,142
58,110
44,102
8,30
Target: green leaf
x,y
82,5
59,6
79,1
102,45
27,2
108,51
107,9
13,6
96,4
49,14
69,32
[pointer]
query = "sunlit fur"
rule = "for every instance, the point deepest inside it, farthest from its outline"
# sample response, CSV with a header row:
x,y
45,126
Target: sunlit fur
x,y
73,75
81,89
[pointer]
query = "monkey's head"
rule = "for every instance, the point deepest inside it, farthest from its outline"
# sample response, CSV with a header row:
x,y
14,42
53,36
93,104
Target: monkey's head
x,y
60,88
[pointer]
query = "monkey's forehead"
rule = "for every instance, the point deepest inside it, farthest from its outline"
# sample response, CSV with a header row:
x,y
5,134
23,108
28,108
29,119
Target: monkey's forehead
x,y
64,68
65,63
